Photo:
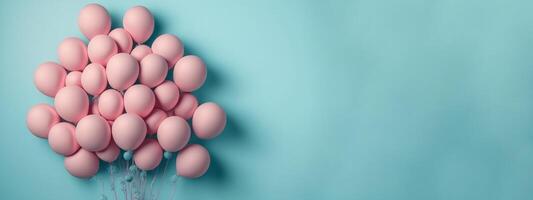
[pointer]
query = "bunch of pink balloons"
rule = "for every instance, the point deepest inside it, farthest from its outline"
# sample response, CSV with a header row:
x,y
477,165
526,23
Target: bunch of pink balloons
x,y
112,94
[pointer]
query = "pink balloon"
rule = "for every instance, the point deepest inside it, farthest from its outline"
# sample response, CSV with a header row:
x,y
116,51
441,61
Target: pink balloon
x,y
62,139
129,131
49,78
122,70
83,164
148,155
154,119
190,73
72,54
71,103
93,79
93,106
73,79
101,48
111,104
94,20
153,70
110,153
40,119
167,95
93,133
123,40
186,106
140,51
170,47
139,22
139,99
208,120
173,133
193,161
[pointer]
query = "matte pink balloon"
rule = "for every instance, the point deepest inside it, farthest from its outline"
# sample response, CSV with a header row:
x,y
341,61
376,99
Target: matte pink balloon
x,y
111,104
72,54
190,73
101,48
93,106
208,120
153,70
123,40
186,106
93,79
73,79
71,103
93,133
94,20
173,133
49,78
129,131
193,161
167,95
148,155
110,153
140,51
62,139
154,119
139,22
40,119
122,71
170,47
83,164
139,99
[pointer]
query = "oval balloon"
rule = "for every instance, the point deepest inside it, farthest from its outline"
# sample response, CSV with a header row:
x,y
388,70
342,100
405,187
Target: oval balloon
x,y
193,161
73,79
122,71
71,103
170,47
40,119
110,153
93,133
62,139
94,20
208,121
140,51
154,120
186,106
148,155
93,79
129,131
49,78
139,22
167,95
72,54
111,104
83,164
139,99
101,48
123,40
173,133
190,73
153,70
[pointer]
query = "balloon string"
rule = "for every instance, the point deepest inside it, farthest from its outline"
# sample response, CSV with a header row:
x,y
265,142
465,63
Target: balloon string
x,y
113,181
164,175
125,184
174,185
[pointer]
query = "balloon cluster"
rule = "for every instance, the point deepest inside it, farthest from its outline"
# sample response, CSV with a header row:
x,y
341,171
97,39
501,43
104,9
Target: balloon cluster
x,y
113,94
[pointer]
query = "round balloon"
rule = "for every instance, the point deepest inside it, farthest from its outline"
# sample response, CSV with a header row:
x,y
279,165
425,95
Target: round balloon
x,y
62,139
139,22
153,70
122,70
94,20
101,48
110,153
72,54
49,78
186,106
190,73
129,131
193,161
93,79
83,164
73,79
40,119
71,103
139,99
93,133
173,133
140,51
110,104
167,95
208,121
148,155
170,47
154,119
123,40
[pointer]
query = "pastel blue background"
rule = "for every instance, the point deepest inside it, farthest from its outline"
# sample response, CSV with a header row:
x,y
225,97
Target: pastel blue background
x,y
363,99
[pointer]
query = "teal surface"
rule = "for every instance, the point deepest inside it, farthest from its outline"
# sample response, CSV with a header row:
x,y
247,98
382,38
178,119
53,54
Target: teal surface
x,y
372,99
